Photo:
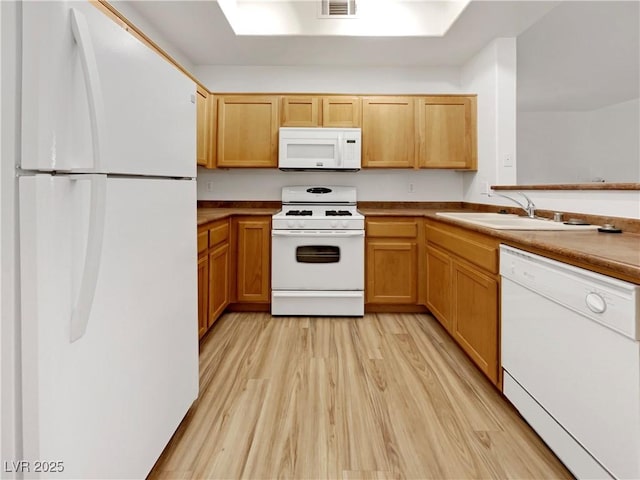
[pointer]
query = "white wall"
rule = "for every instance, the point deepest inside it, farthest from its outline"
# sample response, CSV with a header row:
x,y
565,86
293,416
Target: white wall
x,y
580,146
398,185
1,243
615,203
492,74
382,185
309,79
10,439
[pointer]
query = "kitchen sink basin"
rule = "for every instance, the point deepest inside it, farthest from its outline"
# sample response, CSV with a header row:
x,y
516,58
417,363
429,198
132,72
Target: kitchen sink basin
x,y
501,221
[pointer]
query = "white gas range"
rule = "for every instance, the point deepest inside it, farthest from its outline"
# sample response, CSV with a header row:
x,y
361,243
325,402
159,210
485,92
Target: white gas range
x,y
318,253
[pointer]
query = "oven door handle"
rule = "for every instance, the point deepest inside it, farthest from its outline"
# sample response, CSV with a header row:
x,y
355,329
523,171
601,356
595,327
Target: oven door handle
x,y
317,233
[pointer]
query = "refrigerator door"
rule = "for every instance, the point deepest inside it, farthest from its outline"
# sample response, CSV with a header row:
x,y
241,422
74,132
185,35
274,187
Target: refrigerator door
x,y
95,99
105,400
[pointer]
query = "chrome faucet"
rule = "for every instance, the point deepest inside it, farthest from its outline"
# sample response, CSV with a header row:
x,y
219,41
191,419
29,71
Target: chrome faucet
x,y
530,207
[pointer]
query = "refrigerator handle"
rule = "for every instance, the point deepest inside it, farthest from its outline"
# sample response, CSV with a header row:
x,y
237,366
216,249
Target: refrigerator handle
x,y
97,208
82,37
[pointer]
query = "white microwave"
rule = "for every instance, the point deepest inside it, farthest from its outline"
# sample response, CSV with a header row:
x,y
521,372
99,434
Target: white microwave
x,y
319,148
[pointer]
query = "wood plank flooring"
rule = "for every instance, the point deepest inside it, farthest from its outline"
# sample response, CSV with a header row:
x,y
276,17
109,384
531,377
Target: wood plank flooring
x,y
387,396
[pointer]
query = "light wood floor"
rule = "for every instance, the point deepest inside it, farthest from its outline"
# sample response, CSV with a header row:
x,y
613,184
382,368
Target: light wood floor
x,y
387,396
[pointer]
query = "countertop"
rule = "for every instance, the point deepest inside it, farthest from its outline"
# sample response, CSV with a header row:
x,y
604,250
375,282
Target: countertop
x,y
206,215
615,254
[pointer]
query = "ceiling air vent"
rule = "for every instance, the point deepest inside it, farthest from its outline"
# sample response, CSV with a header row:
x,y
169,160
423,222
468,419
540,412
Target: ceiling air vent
x,y
337,9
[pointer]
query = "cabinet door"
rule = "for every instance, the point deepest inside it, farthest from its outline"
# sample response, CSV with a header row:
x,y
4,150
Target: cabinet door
x,y
203,294
298,111
248,131
212,131
388,132
218,282
253,259
439,285
391,271
202,133
475,316
341,111
447,132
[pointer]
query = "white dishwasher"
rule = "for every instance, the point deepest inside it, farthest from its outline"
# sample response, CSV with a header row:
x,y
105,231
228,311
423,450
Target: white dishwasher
x,y
571,360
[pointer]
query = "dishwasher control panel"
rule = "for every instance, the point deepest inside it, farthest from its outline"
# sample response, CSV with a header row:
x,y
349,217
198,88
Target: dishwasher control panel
x,y
609,301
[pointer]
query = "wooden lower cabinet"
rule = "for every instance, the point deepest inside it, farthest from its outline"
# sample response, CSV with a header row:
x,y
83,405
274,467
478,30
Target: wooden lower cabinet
x,y
213,273
391,271
253,263
439,285
475,313
391,261
203,294
218,282
463,291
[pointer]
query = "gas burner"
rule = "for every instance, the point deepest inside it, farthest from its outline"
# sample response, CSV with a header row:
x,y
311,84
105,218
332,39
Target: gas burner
x,y
338,213
299,213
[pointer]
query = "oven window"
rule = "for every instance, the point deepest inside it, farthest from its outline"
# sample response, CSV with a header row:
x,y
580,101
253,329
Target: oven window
x,y
318,254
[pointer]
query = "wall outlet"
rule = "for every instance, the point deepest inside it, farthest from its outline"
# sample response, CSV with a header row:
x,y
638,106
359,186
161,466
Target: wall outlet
x,y
209,186
507,160
484,188
411,187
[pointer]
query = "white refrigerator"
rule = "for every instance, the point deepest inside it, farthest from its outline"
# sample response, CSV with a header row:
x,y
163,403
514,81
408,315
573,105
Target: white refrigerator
x,y
106,222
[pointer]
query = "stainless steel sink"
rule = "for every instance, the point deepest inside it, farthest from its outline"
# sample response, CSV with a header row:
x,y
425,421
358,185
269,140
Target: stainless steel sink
x,y
501,221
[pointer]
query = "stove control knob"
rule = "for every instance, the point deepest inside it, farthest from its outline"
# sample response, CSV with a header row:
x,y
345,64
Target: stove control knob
x,y
290,223
344,224
300,223
333,223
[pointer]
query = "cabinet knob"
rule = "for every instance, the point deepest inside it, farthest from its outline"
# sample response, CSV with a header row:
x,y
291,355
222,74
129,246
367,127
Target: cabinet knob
x,y
595,302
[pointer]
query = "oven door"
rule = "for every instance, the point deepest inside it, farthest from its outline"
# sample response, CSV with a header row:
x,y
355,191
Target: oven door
x,y
317,260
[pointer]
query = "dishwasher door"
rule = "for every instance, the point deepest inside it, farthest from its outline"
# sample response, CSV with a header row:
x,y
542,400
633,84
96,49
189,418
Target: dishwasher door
x,y
569,352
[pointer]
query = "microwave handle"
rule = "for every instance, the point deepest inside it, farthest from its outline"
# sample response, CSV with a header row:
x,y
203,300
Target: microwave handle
x,y
340,149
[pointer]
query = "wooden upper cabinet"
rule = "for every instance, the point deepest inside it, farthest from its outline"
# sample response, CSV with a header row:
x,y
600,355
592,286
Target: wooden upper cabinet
x,y
341,112
202,127
299,111
212,130
388,132
247,131
447,132
315,111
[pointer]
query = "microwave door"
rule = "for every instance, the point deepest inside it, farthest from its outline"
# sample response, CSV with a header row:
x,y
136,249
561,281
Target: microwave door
x,y
311,153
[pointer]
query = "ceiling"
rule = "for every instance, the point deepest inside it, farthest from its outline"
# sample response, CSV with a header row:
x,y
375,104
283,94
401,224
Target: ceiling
x,y
379,18
201,32
572,55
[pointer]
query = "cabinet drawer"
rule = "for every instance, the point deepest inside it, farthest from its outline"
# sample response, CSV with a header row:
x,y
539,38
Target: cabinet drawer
x,y
474,248
405,228
203,241
218,233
